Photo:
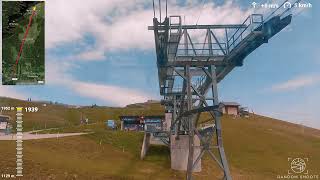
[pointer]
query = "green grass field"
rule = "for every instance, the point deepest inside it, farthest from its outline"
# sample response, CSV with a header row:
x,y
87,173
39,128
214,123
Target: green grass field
x,y
257,148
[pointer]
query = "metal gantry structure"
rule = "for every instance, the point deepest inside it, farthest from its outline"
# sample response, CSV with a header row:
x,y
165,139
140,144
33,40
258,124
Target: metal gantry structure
x,y
192,60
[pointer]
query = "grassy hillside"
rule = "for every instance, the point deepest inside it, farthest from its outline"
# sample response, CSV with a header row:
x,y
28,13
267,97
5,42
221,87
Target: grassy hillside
x,y
53,115
257,148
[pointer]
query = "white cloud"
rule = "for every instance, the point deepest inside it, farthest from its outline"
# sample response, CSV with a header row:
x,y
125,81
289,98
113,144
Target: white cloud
x,y
110,94
67,21
91,55
296,83
121,24
9,91
56,72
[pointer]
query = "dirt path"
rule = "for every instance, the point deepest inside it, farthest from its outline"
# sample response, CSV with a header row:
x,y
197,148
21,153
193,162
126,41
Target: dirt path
x,y
30,136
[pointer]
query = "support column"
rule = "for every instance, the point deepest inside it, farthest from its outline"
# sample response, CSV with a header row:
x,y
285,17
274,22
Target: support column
x,y
174,114
217,115
167,122
191,124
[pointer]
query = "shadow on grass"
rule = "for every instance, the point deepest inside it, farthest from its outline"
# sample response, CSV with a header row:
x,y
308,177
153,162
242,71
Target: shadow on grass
x,y
159,154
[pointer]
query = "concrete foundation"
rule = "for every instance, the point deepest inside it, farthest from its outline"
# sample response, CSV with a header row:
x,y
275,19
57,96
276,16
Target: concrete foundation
x,y
145,145
180,152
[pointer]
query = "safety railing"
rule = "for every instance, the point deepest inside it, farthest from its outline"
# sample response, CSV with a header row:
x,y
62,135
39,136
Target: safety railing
x,y
175,33
252,22
175,21
201,49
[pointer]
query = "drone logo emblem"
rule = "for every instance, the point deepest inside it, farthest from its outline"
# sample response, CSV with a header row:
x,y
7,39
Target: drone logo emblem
x,y
298,165
298,170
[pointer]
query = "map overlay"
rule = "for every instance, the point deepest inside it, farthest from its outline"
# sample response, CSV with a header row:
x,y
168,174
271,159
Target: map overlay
x,y
23,48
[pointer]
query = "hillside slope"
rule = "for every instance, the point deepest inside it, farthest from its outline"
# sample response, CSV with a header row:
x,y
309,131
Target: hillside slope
x,y
57,115
257,148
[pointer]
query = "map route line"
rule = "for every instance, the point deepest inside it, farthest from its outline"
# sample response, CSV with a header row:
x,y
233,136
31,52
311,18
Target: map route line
x,y
23,40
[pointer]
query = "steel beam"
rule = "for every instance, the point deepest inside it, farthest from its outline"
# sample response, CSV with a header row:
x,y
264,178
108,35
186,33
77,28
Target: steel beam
x,y
216,26
193,72
196,63
199,58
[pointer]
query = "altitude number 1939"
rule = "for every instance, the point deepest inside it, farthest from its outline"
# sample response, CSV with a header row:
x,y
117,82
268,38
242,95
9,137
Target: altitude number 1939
x,y
31,109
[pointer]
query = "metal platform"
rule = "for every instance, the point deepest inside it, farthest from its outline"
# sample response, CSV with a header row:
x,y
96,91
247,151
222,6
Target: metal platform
x,y
192,60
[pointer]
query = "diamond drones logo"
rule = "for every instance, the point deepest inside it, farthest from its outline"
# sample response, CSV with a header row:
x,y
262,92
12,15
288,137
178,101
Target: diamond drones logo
x,y
298,165
298,170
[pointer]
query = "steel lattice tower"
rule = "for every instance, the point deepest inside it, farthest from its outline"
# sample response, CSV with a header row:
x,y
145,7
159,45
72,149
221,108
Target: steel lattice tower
x,y
189,71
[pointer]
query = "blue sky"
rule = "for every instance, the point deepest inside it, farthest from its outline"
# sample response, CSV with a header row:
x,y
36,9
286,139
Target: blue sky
x,y
101,52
